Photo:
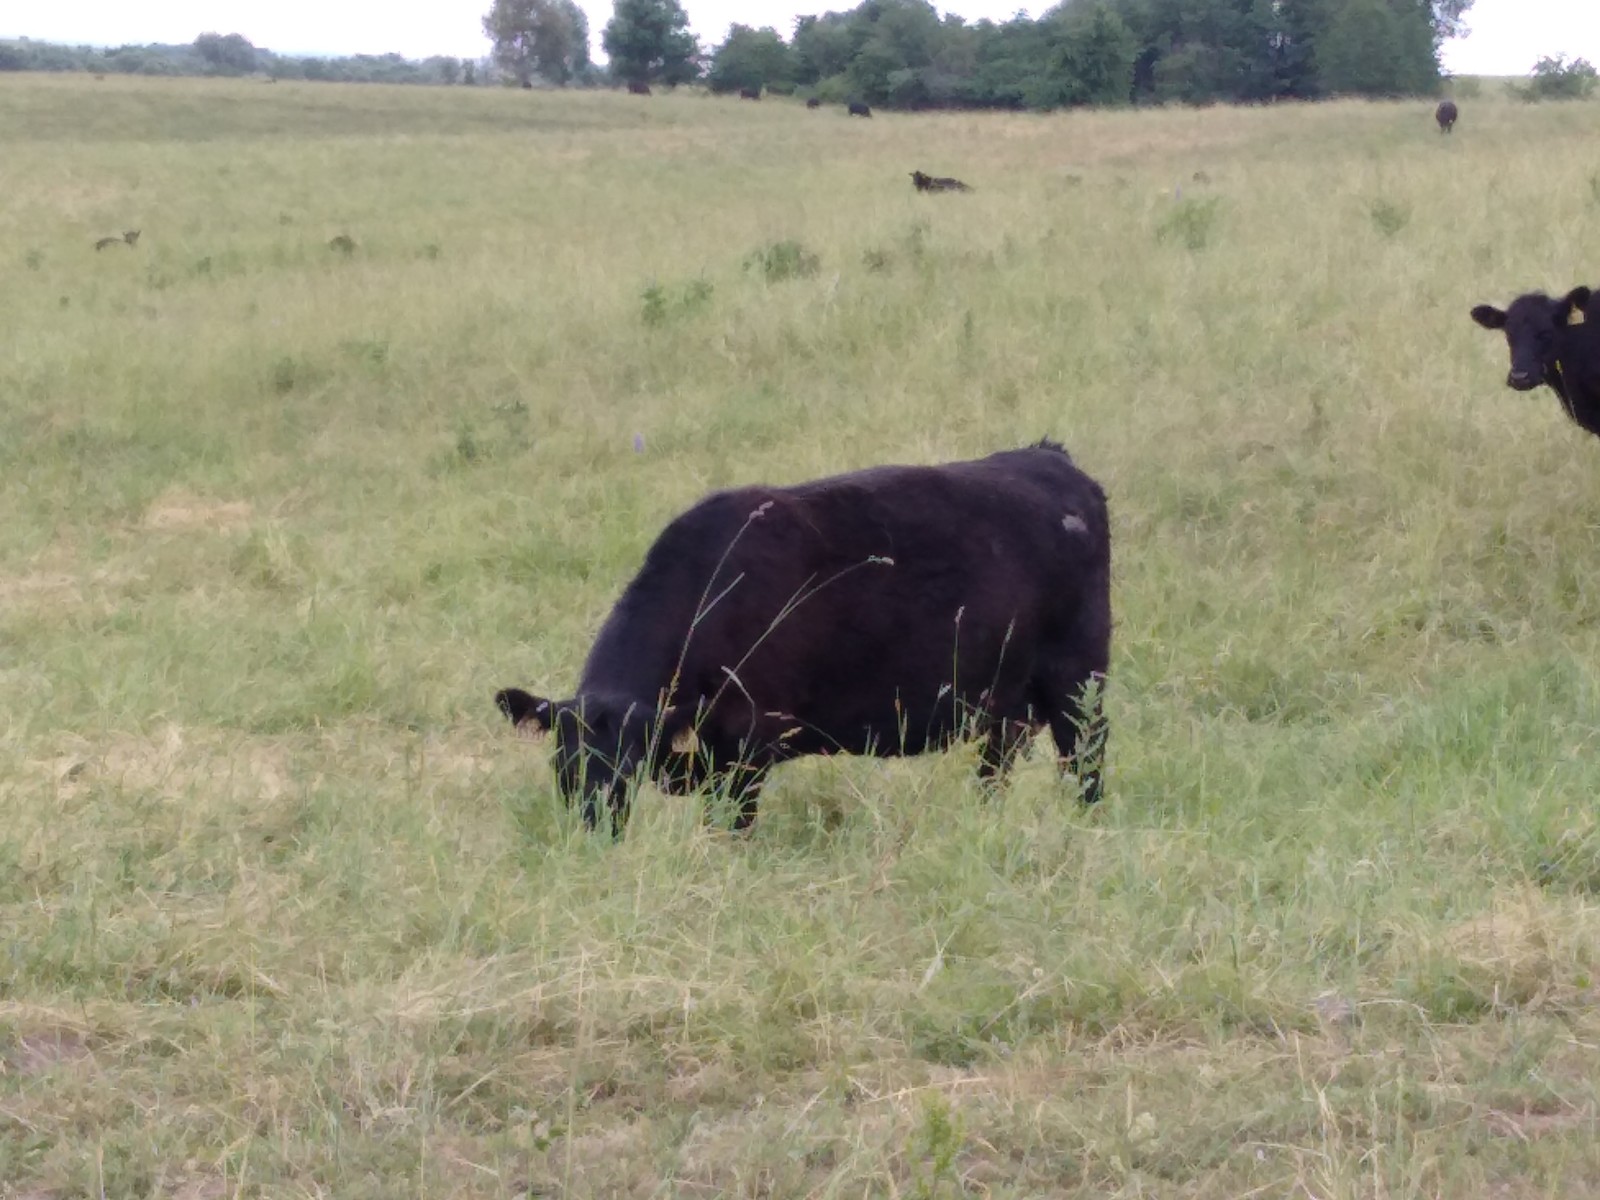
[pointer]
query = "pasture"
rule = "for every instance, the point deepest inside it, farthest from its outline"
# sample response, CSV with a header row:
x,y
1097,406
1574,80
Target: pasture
x,y
286,911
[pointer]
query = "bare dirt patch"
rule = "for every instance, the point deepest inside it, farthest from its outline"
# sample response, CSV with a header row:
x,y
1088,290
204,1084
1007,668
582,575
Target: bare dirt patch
x,y
58,579
41,586
1529,1127
170,760
201,1189
36,1052
178,510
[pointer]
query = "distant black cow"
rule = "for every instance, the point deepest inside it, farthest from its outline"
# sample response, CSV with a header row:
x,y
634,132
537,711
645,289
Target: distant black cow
x,y
527,85
750,93
858,109
932,183
813,103
1446,115
885,612
129,237
638,87
1546,347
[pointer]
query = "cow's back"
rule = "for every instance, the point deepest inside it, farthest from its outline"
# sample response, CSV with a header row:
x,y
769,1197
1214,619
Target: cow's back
x,y
845,594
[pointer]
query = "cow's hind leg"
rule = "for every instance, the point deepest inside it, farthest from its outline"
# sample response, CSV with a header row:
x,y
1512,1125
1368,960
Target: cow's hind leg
x,y
741,784
1003,742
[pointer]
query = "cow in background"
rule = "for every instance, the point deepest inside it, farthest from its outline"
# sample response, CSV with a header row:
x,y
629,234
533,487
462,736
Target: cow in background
x,y
936,183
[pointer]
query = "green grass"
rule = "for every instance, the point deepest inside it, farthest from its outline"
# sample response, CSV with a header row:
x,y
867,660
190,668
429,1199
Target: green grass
x,y
286,911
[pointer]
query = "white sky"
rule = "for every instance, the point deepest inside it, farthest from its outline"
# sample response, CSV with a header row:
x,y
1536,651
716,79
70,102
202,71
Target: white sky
x,y
1507,35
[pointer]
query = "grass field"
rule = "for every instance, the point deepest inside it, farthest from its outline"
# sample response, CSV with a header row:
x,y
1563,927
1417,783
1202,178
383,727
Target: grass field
x,y
286,911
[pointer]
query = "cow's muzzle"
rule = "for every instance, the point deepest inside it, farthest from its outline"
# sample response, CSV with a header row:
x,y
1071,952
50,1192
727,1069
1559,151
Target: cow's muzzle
x,y
1522,381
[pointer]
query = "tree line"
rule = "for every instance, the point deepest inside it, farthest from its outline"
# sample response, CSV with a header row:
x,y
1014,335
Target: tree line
x,y
903,54
899,53
233,55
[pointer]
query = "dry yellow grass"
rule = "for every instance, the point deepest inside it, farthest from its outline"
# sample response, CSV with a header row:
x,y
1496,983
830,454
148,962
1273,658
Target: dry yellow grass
x,y
287,912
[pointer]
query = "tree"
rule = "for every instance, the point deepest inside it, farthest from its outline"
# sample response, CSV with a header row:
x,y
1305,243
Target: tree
x,y
230,55
1012,65
549,38
1301,24
1378,48
895,41
1096,56
1449,19
649,40
751,58
1557,79
822,47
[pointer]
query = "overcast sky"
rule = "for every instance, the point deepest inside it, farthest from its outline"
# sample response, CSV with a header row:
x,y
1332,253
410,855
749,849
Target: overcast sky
x,y
1507,35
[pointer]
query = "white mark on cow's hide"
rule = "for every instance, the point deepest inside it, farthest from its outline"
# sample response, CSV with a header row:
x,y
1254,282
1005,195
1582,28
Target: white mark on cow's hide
x,y
1073,523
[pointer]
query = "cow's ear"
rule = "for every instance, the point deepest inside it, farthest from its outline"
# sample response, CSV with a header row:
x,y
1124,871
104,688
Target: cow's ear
x,y
1577,301
522,709
1489,316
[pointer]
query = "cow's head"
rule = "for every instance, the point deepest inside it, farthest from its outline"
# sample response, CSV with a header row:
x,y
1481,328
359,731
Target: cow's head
x,y
1530,326
601,744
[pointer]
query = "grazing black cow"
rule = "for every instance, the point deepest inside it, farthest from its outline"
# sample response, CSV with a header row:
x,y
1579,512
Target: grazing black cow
x,y
638,87
1546,347
750,93
857,109
813,103
937,183
889,611
1446,115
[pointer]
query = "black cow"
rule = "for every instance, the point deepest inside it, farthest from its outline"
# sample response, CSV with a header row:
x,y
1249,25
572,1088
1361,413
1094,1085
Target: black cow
x,y
889,611
750,93
813,103
857,109
638,87
932,183
1546,347
1446,115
